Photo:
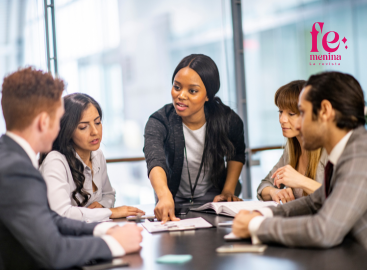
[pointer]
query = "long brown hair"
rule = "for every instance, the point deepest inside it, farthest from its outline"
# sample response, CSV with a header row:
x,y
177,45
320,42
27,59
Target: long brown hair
x,y
75,104
286,97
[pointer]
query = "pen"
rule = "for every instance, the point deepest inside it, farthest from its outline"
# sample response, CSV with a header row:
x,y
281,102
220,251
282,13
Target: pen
x,y
225,224
280,201
138,218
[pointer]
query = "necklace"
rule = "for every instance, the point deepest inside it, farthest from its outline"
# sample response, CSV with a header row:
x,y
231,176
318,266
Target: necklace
x,y
192,189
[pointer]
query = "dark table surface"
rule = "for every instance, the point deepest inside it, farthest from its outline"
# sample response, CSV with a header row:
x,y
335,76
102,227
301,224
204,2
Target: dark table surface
x,y
202,243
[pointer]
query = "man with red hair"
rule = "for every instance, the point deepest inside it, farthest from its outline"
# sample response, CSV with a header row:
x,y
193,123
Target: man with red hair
x,y
32,236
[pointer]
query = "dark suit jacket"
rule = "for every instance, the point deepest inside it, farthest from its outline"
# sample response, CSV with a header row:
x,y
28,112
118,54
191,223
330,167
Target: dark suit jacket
x,y
164,144
32,236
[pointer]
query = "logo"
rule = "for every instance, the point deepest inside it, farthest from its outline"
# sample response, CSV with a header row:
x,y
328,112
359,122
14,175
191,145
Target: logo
x,y
330,44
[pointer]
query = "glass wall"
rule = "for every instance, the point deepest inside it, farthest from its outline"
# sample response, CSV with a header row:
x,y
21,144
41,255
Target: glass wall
x,y
278,46
123,53
22,37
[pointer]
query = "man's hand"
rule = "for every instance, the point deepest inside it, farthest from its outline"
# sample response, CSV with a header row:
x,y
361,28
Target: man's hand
x,y
241,222
129,236
226,197
286,195
95,205
165,209
125,211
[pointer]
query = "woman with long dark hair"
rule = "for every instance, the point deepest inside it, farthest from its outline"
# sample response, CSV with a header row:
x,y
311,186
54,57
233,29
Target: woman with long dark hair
x,y
75,170
194,147
301,172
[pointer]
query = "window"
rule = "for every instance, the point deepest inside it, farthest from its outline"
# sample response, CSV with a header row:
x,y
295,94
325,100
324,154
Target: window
x,y
277,48
123,54
22,38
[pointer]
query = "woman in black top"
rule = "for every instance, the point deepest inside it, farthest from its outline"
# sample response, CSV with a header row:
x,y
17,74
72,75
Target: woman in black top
x,y
194,147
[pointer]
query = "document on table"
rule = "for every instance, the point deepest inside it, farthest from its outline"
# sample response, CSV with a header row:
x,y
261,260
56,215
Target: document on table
x,y
182,225
232,208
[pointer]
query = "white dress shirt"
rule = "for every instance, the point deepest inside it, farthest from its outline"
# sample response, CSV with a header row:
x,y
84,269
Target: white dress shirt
x,y
255,223
339,148
101,229
60,185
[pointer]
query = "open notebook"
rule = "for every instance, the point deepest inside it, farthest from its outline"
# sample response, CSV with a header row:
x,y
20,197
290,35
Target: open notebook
x,y
232,208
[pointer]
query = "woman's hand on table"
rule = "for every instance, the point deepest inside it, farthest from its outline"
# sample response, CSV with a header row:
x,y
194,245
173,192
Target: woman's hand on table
x,y
289,177
165,209
125,211
286,195
226,197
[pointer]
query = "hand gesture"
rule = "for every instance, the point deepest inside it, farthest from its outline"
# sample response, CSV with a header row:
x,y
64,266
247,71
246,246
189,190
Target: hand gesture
x,y
288,176
165,210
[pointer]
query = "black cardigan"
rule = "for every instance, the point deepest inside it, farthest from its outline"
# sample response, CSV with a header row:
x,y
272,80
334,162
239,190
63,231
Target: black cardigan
x,y
164,144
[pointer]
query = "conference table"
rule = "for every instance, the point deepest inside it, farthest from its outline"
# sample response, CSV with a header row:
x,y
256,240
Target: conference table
x,y
202,244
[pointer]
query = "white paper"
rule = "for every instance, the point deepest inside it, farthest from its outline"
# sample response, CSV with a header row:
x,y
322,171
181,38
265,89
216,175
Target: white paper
x,y
182,225
249,205
231,236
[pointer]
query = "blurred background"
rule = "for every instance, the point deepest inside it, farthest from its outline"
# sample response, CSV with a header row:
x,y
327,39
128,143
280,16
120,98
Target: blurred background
x,y
123,53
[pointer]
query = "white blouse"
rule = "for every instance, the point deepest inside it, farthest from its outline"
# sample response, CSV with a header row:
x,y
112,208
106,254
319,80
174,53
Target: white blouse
x,y
60,185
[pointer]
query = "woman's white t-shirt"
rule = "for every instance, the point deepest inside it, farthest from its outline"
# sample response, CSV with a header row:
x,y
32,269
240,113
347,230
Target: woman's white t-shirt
x,y
194,141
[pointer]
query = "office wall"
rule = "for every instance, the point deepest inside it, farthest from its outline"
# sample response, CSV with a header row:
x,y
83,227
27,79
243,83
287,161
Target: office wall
x,y
22,40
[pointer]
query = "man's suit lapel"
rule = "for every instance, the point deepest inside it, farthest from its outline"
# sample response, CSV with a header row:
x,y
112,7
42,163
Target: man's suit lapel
x,y
332,181
15,147
353,137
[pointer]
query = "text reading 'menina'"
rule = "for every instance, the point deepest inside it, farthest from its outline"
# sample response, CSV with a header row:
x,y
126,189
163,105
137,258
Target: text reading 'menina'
x,y
325,57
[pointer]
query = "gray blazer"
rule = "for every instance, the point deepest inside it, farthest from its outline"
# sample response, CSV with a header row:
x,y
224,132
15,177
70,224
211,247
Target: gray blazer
x,y
31,235
283,161
320,222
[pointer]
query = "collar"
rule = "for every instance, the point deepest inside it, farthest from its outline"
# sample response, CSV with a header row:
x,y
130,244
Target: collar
x,y
339,148
26,147
95,161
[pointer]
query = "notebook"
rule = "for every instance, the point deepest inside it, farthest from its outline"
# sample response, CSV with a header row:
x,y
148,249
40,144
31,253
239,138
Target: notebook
x,y
182,225
232,208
